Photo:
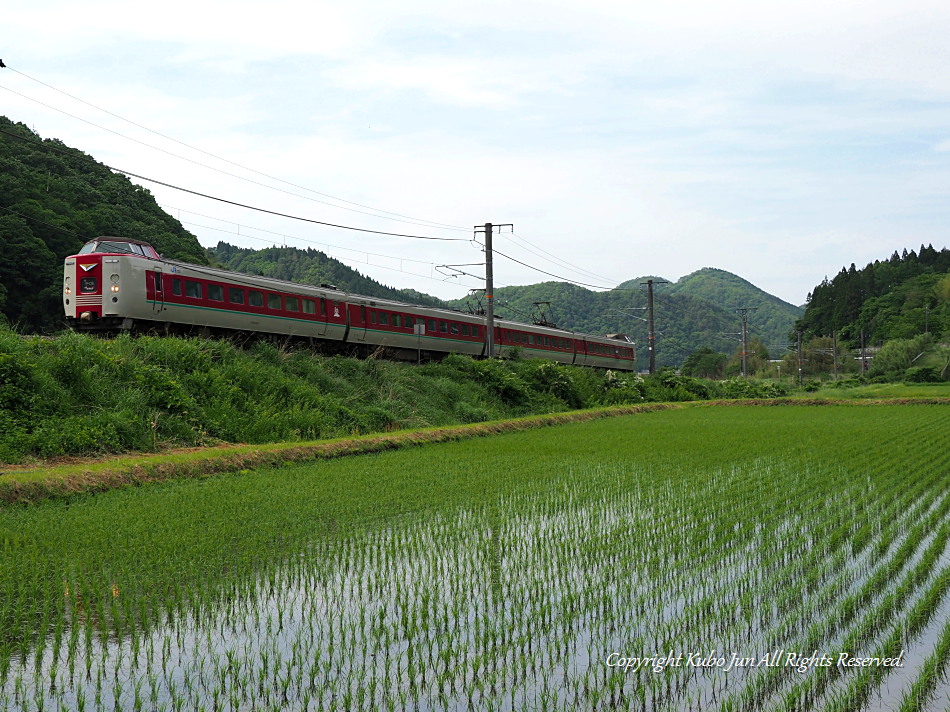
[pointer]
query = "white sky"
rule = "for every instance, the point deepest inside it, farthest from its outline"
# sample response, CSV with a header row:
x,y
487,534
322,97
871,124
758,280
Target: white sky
x,y
776,140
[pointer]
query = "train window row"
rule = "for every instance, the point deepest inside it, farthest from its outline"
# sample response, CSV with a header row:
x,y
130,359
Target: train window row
x,y
605,350
519,337
407,321
239,296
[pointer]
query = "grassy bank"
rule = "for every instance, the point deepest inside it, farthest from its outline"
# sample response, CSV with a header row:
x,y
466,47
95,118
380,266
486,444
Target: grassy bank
x,y
78,395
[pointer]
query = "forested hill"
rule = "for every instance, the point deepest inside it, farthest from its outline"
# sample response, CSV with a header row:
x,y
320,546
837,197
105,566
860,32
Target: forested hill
x,y
895,298
53,198
310,267
773,317
698,311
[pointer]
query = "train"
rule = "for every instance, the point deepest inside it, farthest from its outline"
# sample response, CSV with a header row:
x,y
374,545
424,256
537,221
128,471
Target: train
x,y
116,284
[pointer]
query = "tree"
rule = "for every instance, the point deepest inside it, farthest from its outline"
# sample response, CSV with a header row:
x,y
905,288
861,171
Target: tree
x,y
705,363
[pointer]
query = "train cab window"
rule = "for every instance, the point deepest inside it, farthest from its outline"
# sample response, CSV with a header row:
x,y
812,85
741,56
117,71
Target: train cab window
x,y
384,318
323,309
137,249
273,301
216,292
362,312
443,327
430,326
372,317
192,289
397,320
235,296
255,299
158,282
176,287
309,307
292,304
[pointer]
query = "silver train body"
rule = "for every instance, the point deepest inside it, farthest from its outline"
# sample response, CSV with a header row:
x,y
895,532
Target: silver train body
x,y
116,284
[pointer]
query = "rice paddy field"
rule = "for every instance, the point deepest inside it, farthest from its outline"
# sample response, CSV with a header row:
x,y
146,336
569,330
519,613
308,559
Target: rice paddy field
x,y
714,558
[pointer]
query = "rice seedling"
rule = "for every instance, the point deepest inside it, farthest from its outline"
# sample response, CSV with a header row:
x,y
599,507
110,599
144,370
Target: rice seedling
x,y
673,561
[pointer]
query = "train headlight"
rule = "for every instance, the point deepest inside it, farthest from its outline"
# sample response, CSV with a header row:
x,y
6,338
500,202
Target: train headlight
x,y
66,289
115,282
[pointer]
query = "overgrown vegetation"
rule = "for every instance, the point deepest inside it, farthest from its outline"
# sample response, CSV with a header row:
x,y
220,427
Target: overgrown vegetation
x,y
75,394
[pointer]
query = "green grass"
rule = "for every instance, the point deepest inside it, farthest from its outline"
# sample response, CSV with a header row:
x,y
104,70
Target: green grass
x,y
497,573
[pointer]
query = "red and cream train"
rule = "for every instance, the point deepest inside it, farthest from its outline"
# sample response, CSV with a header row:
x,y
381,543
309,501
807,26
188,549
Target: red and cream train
x,y
118,284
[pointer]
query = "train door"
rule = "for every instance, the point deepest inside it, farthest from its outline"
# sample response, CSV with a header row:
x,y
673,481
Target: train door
x,y
158,302
322,316
360,319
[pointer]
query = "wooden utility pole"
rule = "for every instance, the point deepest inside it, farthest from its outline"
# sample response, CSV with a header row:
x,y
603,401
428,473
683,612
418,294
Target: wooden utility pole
x,y
743,312
490,288
651,333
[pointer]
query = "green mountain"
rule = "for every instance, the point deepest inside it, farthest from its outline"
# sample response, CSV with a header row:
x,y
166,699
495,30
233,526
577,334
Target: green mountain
x,y
897,298
310,267
773,318
53,198
697,311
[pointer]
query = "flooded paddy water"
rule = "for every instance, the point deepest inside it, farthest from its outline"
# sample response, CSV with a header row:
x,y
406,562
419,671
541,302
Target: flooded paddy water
x,y
668,562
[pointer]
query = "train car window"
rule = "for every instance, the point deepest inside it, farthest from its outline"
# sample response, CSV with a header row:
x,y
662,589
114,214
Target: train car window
x,y
384,318
192,289
476,330
431,326
397,320
292,304
236,296
309,307
216,292
255,299
454,328
409,322
176,287
443,327
464,329
273,301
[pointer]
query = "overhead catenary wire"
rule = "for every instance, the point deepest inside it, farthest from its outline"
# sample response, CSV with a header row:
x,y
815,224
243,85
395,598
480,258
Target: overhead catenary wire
x,y
231,202
377,212
554,259
562,278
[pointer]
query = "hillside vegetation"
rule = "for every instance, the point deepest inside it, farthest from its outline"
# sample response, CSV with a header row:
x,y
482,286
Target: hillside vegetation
x,y
77,394
898,298
697,311
53,198
310,267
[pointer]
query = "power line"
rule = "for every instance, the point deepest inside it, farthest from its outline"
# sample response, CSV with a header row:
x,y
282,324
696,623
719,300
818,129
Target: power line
x,y
282,235
230,202
398,216
554,258
564,279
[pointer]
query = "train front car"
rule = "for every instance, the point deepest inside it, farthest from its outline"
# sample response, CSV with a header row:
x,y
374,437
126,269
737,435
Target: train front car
x,y
101,282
